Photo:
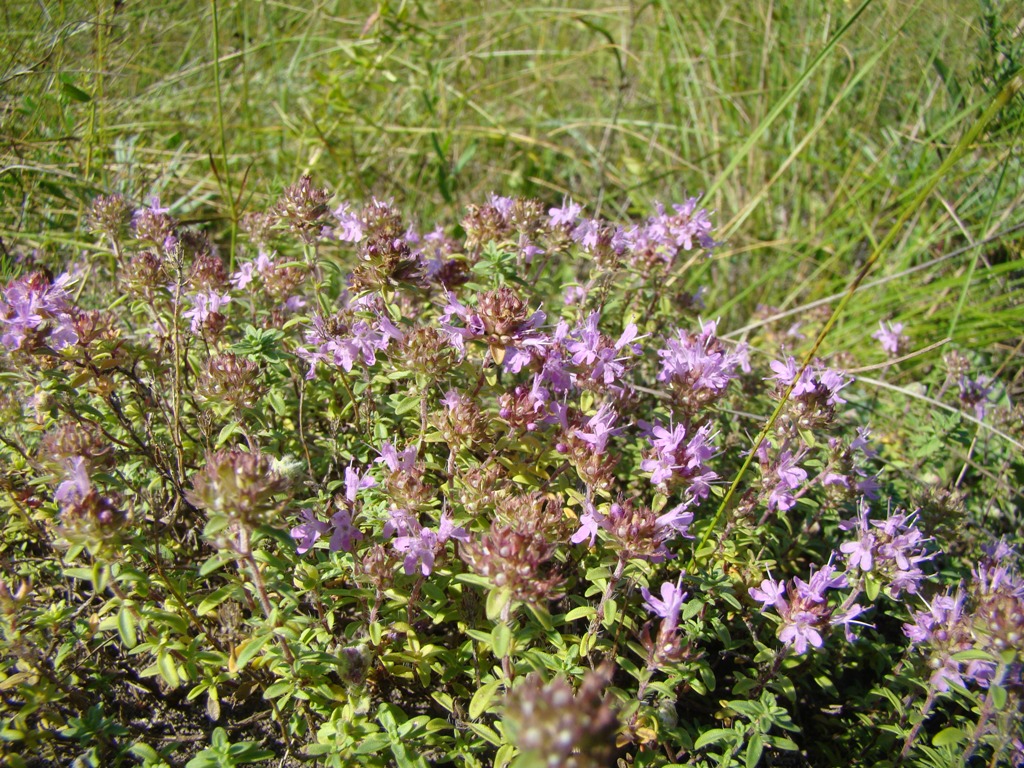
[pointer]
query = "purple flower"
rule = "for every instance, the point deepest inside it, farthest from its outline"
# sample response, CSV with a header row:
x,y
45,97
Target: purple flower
x,y
665,235
590,523
787,478
816,381
698,365
668,607
821,580
421,546
587,233
566,215
805,613
675,458
355,482
599,428
891,338
395,461
243,276
350,227
400,521
307,533
345,531
574,294
28,303
596,355
205,304
77,486
447,530
976,394
771,593
676,520
799,630
892,548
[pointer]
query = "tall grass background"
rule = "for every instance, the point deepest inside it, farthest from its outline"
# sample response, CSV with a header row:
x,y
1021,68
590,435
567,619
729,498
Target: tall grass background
x,y
817,131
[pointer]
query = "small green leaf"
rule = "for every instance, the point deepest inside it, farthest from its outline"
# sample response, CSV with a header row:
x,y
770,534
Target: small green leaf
x,y
482,699
781,742
126,627
277,690
227,431
168,669
754,748
72,90
497,601
611,609
501,637
998,694
582,612
216,598
249,650
872,587
714,736
485,733
947,737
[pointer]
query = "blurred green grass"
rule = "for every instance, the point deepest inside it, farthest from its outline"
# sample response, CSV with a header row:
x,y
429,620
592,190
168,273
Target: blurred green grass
x,y
811,126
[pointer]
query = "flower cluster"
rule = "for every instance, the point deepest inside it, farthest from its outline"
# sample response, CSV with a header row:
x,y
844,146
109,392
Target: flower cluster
x,y
562,729
890,337
516,552
34,311
637,530
814,397
675,460
698,367
986,616
805,612
502,321
342,523
342,339
891,550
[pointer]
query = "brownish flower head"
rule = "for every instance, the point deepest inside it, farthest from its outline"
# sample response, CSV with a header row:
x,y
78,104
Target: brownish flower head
x,y
69,439
426,351
484,224
956,365
515,553
152,226
502,313
241,486
259,226
481,487
461,422
562,729
377,566
303,209
110,216
98,331
143,274
208,271
999,616
231,379
597,470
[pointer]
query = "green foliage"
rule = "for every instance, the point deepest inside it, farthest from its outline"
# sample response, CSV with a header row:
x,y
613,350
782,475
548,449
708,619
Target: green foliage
x,y
156,474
